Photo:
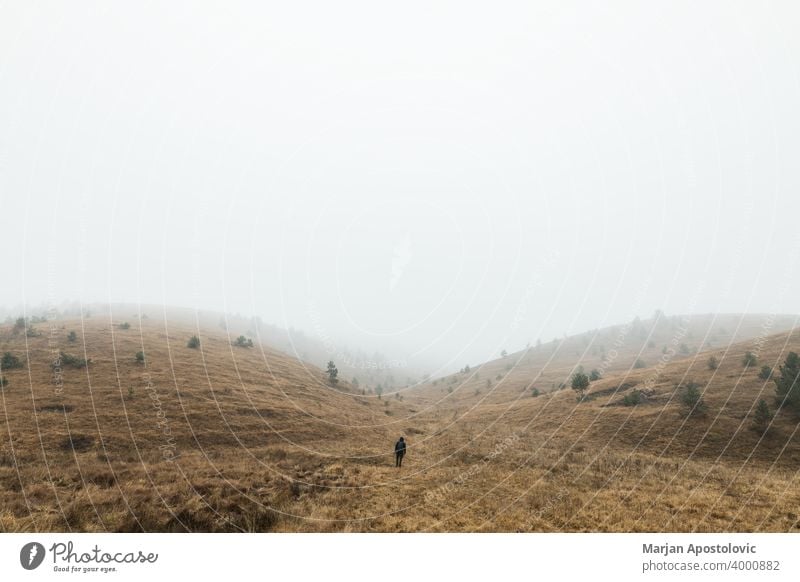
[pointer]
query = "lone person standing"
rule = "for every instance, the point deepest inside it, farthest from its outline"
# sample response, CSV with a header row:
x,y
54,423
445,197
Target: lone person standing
x,y
399,452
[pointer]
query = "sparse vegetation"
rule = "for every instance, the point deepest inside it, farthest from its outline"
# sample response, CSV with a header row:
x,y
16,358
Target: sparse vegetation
x,y
594,375
139,357
639,363
193,343
749,360
73,361
72,337
580,383
762,417
338,445
765,373
787,383
124,325
243,342
692,400
333,374
3,382
10,361
634,398
713,363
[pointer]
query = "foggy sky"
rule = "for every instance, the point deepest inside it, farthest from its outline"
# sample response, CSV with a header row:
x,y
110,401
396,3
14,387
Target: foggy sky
x,y
435,180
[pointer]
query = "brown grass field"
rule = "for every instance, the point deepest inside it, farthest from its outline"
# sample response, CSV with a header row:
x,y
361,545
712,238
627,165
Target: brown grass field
x,y
226,438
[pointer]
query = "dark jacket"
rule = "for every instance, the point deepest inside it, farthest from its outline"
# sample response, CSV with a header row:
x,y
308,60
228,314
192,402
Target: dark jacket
x,y
400,447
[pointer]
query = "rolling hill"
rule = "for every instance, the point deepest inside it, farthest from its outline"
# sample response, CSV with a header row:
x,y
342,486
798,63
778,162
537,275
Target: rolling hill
x,y
228,438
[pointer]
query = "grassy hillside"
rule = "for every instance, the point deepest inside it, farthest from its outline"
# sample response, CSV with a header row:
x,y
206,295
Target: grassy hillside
x,y
612,351
225,438
207,438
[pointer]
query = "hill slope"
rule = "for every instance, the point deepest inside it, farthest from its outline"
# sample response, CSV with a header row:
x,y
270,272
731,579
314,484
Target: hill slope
x,y
184,439
229,439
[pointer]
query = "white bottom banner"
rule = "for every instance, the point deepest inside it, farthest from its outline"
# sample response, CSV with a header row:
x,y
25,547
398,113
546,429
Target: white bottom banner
x,y
389,557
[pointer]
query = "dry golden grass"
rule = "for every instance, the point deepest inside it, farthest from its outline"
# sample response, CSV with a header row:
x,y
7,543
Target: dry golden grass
x,y
236,439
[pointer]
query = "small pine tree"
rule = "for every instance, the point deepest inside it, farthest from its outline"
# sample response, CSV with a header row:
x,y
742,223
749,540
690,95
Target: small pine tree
x,y
10,361
72,361
503,354
3,382
139,357
124,325
632,399
194,342
692,400
713,363
333,374
243,342
580,383
749,359
762,417
639,363
787,383
72,337
765,373
535,392
595,375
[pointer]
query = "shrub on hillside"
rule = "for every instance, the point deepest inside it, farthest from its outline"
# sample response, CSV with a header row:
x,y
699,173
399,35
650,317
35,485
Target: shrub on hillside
x,y
713,363
765,373
3,382
194,342
692,400
124,325
243,342
580,383
139,357
73,361
10,361
749,359
632,399
639,363
787,383
333,374
72,337
535,392
594,375
762,417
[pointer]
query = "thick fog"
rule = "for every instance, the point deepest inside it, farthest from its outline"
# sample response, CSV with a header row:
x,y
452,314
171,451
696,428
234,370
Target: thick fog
x,y
437,181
